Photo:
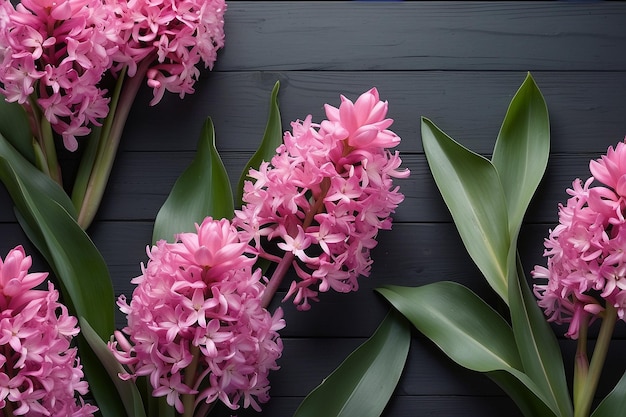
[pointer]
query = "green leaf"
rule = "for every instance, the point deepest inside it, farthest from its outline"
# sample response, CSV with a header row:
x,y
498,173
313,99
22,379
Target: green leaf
x,y
165,410
536,342
77,264
469,331
202,190
614,404
272,139
465,327
15,127
521,151
363,383
529,404
471,188
126,390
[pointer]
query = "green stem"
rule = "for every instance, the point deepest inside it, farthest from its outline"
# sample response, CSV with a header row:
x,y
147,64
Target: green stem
x,y
98,133
583,406
45,151
50,152
190,376
108,146
581,361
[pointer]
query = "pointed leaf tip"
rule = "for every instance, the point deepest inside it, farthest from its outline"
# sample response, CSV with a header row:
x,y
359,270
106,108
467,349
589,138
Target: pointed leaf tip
x,y
202,190
521,151
272,139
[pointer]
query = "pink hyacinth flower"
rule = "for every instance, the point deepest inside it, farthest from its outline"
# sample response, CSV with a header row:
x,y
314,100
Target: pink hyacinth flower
x,y
324,196
40,373
57,53
195,321
586,268
175,36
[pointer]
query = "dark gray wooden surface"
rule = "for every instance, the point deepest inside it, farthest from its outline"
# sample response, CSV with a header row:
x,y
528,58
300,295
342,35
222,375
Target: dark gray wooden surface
x,y
457,63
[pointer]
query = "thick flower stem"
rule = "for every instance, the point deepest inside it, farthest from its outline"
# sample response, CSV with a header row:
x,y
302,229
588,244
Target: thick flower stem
x,y
43,144
92,150
581,361
190,377
285,263
582,405
108,146
276,279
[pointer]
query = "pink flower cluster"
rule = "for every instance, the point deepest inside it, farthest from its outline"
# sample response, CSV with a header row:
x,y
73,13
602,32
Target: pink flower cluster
x,y
195,322
325,195
55,53
176,34
39,371
587,251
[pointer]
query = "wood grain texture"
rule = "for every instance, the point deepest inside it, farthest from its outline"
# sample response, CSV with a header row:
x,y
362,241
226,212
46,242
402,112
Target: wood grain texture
x,y
423,36
468,105
457,63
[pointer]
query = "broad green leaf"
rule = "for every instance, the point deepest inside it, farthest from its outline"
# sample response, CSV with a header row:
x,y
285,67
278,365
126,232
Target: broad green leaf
x,y
15,127
77,264
272,139
202,190
471,188
614,404
363,383
536,342
521,151
529,404
110,381
466,329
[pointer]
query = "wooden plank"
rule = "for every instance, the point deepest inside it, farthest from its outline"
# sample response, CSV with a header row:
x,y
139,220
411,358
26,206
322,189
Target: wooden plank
x,y
142,181
428,371
468,105
423,36
429,380
459,64
401,406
